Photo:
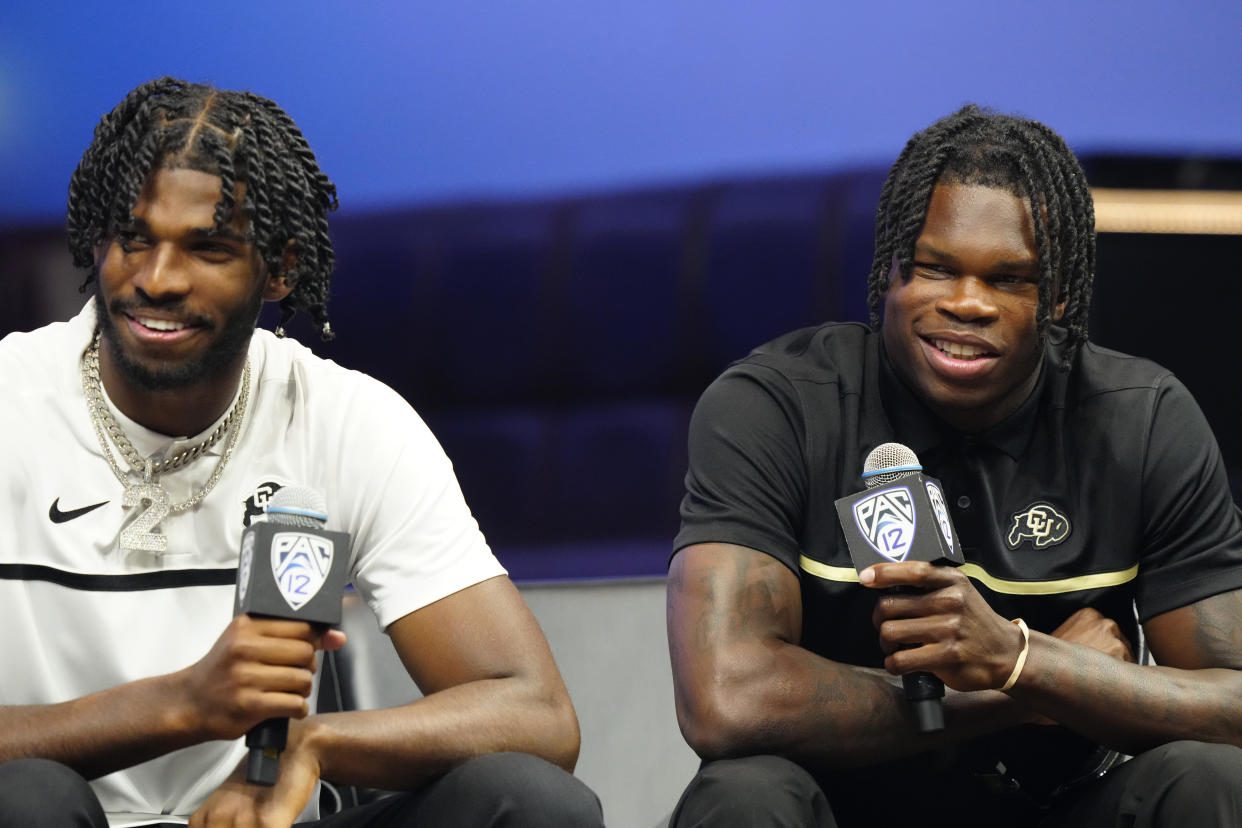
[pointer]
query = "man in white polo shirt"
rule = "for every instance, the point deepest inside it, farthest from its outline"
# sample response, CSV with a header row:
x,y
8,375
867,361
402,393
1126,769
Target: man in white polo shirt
x,y
140,438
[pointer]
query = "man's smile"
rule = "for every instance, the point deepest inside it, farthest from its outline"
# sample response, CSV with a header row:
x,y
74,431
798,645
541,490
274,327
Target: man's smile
x,y
959,350
156,330
957,360
159,324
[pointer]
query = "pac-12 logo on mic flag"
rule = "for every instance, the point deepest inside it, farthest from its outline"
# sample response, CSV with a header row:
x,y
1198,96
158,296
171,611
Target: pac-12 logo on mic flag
x,y
942,511
244,562
301,562
887,520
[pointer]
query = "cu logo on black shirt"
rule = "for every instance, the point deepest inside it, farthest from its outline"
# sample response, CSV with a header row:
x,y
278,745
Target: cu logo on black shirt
x,y
1042,524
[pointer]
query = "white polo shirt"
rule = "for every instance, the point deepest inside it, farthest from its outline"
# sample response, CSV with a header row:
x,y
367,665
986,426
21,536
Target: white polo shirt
x,y
78,614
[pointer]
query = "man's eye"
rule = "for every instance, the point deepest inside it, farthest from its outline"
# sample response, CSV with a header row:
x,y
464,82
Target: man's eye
x,y
931,271
130,242
215,250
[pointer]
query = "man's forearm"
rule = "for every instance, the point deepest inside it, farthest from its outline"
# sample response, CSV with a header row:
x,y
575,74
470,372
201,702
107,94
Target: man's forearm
x,y
745,686
402,748
827,714
257,669
100,733
885,728
1126,706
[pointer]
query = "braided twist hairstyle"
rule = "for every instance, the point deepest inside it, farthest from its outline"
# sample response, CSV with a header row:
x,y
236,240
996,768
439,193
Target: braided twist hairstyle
x,y
979,146
239,136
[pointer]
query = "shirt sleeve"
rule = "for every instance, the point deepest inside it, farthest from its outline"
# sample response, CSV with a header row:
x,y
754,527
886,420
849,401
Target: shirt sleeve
x,y
416,540
1192,541
747,479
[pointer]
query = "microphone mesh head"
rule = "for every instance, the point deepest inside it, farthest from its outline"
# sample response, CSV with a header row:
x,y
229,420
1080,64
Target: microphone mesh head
x,y
298,506
888,462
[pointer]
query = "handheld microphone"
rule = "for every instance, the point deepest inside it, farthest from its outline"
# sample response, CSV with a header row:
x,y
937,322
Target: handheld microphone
x,y
902,516
290,567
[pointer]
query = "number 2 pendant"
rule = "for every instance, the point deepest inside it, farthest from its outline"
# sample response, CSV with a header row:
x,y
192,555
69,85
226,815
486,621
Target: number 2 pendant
x,y
139,536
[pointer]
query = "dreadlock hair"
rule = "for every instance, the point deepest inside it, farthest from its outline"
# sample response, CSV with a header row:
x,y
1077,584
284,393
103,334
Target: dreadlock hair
x,y
979,146
238,136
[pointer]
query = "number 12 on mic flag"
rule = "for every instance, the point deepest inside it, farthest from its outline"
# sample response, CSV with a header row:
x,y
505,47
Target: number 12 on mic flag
x,y
902,522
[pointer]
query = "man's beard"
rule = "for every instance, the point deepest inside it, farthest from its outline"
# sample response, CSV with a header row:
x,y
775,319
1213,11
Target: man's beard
x,y
220,355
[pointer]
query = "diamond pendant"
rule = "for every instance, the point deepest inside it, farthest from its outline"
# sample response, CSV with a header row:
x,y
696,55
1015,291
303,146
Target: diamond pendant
x,y
140,536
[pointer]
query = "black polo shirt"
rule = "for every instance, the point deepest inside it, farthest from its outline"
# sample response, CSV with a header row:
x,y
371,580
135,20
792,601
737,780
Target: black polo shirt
x,y
1104,489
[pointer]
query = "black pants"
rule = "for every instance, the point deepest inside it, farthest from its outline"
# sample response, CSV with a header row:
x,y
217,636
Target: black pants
x,y
514,790
1178,785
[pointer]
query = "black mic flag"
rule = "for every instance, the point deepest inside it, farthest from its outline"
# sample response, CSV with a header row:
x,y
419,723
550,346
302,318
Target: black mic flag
x,y
290,568
902,516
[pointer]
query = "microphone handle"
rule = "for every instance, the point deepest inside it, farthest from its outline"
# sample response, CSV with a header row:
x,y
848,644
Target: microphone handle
x,y
266,740
924,691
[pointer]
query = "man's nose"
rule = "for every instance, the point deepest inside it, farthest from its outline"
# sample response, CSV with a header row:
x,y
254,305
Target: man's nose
x,y
969,299
162,275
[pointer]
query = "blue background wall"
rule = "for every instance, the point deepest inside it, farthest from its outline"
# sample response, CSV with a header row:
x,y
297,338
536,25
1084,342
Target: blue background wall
x,y
417,102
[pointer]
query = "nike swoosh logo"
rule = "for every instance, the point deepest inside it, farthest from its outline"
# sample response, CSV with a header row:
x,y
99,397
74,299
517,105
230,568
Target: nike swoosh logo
x,y
58,516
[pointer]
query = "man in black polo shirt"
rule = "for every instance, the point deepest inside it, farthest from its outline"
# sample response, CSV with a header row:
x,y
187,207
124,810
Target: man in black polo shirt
x,y
1085,485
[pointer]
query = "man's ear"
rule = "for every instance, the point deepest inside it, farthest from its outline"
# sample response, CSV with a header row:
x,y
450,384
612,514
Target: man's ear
x,y
1058,310
276,288
278,285
101,252
894,273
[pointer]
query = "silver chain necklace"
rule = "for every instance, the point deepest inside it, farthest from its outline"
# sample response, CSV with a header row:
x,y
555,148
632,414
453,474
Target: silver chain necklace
x,y
142,534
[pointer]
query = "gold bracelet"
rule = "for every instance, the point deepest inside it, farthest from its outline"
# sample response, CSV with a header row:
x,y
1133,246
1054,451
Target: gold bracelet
x,y
1026,648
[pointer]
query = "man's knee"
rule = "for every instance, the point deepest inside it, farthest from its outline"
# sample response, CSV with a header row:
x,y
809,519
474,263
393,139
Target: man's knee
x,y
517,789
1194,772
753,790
39,792
1179,784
